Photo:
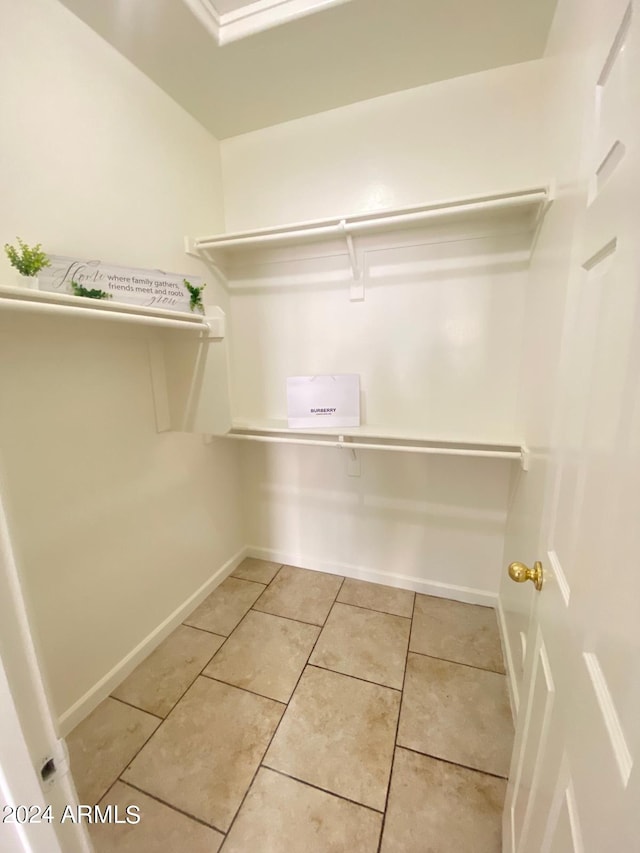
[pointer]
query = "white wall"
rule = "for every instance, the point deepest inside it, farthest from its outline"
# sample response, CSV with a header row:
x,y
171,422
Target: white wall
x,y
460,137
432,524
114,526
437,340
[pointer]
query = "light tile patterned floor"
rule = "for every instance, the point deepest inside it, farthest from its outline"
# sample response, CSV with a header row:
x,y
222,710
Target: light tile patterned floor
x,y
297,711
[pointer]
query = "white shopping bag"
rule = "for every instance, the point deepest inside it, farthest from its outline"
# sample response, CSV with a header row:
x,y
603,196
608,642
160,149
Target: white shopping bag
x,y
323,401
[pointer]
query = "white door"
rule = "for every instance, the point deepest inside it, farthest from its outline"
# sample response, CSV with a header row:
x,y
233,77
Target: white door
x,y
574,781
27,733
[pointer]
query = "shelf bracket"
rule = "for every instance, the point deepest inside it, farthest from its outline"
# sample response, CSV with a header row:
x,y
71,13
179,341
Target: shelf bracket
x,y
356,291
190,248
539,220
353,462
525,455
216,321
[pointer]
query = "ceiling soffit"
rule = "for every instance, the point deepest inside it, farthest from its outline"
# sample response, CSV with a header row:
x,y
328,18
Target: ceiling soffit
x,y
230,20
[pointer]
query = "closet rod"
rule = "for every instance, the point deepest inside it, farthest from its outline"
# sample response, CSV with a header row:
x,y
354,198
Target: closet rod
x,y
365,222
92,313
406,448
276,237
444,210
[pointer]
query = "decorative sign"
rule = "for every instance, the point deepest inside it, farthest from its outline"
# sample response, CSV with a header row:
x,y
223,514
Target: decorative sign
x,y
323,401
124,284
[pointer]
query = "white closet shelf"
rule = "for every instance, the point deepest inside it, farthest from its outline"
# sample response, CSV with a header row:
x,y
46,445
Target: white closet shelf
x,y
375,438
531,203
42,302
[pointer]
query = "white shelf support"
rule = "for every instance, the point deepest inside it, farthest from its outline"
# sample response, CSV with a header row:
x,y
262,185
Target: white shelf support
x,y
190,247
216,321
525,457
540,216
203,349
353,460
222,249
356,292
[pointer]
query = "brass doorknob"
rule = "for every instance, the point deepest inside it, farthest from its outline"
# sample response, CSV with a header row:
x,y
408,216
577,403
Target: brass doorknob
x,y
520,573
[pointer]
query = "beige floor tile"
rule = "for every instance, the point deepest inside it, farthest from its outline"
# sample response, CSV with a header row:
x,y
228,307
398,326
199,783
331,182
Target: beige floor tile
x,y
102,745
377,596
438,806
252,569
265,654
281,814
458,713
203,757
161,679
364,643
300,594
226,606
160,830
464,633
338,733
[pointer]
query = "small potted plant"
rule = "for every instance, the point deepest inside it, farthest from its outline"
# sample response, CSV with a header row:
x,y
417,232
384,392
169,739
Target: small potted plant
x,y
28,260
195,296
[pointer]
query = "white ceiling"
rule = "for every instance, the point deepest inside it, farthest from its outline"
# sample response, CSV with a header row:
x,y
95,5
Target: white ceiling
x,y
343,53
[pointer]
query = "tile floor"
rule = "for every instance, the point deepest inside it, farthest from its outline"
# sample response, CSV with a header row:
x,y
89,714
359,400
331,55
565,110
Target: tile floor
x,y
299,711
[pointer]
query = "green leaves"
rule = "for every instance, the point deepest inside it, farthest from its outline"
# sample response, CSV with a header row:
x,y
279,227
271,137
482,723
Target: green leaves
x,y
195,294
27,260
93,293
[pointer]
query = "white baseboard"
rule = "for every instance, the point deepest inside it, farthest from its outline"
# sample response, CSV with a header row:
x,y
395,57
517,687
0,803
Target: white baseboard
x,y
102,688
507,653
467,594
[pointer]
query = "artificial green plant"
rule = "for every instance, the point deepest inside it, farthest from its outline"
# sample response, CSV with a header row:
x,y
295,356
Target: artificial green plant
x,y
195,296
28,260
90,293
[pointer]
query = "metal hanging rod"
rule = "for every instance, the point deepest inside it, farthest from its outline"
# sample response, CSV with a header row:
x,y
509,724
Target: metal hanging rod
x,y
366,222
398,448
95,313
444,210
259,239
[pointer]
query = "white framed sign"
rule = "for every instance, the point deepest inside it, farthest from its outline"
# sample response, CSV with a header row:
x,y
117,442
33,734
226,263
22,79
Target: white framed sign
x,y
323,401
124,284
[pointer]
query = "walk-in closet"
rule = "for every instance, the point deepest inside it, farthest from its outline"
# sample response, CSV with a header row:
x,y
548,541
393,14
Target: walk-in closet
x,y
227,627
